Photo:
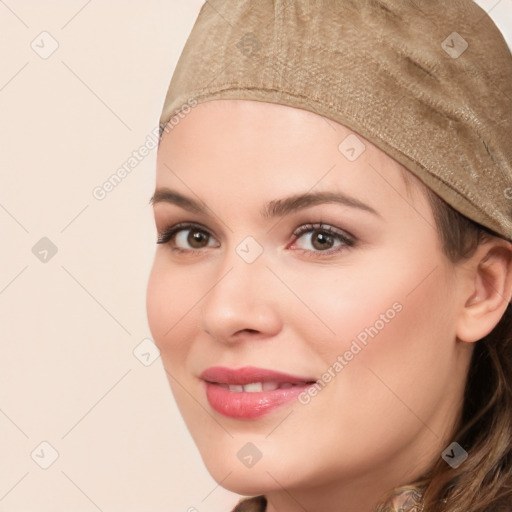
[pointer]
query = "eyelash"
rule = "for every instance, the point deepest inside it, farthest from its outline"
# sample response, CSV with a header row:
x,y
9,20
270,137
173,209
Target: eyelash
x,y
168,235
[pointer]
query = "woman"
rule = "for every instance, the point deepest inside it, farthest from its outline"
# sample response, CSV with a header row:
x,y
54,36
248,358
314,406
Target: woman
x,y
331,291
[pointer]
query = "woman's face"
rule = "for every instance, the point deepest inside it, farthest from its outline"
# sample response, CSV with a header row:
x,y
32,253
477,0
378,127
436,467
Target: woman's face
x,y
367,308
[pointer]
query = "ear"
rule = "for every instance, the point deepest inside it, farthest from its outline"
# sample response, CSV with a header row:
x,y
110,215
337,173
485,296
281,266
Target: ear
x,y
487,285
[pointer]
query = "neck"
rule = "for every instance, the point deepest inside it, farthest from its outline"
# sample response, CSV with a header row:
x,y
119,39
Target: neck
x,y
360,496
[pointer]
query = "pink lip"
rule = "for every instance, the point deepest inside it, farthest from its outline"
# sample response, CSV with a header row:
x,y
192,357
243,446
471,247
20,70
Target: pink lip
x,y
248,374
244,404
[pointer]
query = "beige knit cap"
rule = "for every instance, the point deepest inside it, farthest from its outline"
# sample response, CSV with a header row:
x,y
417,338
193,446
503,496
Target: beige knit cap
x,y
429,82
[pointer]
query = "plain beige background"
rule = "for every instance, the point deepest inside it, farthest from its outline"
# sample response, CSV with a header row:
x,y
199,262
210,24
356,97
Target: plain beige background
x,y
77,370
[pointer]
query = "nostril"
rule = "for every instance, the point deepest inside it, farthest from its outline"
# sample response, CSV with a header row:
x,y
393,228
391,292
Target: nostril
x,y
247,331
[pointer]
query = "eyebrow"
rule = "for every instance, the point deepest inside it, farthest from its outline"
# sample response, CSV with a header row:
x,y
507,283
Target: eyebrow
x,y
274,208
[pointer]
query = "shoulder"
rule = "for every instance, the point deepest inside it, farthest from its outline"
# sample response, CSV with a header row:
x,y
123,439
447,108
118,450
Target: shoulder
x,y
256,504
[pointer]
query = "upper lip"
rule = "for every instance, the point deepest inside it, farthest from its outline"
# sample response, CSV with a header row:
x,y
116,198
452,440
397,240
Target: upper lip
x,y
248,375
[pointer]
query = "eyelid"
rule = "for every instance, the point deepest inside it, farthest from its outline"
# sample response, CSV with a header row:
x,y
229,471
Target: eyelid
x,y
328,228
346,239
169,232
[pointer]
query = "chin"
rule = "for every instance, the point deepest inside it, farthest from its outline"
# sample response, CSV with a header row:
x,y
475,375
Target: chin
x,y
245,483
249,481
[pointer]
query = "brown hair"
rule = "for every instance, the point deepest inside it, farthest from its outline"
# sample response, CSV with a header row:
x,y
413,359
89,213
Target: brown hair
x,y
482,483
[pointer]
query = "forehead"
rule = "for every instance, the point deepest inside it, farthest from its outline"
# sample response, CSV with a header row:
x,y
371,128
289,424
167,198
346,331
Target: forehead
x,y
269,147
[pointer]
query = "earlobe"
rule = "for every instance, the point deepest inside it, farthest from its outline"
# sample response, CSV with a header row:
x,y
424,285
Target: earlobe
x,y
489,281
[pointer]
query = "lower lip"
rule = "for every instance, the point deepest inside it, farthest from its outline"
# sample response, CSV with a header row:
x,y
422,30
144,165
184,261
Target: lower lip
x,y
249,405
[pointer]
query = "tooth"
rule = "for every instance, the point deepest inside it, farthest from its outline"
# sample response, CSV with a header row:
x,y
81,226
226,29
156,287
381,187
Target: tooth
x,y
253,387
270,386
257,387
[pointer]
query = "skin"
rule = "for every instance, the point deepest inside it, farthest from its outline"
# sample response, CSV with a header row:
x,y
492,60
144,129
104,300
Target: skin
x,y
388,415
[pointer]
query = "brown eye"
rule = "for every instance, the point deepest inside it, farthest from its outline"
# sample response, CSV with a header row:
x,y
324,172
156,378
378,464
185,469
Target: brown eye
x,y
197,238
186,237
322,238
322,241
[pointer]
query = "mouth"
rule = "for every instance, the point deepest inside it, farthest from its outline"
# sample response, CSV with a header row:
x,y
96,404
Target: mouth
x,y
249,375
258,387
250,392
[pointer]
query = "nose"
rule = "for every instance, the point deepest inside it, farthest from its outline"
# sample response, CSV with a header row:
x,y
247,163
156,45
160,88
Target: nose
x,y
241,303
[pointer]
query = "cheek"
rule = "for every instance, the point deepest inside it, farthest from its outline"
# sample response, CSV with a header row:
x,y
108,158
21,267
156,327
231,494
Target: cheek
x,y
392,320
168,302
397,295
157,297
394,331
339,304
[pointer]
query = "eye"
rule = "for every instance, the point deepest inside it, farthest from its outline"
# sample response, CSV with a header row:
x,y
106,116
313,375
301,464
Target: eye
x,y
186,237
324,239
190,237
